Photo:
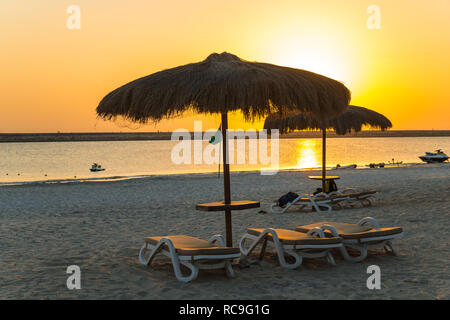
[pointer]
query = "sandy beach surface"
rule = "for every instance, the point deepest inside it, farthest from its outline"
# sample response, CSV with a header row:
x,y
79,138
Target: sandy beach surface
x,y
100,227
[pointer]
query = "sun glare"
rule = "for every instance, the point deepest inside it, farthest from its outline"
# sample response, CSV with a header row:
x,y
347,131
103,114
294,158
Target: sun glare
x,y
308,152
312,54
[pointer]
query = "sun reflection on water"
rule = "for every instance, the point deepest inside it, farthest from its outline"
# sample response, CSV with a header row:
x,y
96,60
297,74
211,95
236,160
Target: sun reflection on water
x,y
308,154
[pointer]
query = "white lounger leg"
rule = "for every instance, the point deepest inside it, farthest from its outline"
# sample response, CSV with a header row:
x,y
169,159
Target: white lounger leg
x,y
221,240
278,247
362,253
280,251
245,237
314,204
145,247
343,249
389,248
319,232
229,269
330,259
173,256
194,271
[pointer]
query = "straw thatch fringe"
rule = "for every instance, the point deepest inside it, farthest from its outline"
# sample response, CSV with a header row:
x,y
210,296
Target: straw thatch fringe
x,y
222,83
352,119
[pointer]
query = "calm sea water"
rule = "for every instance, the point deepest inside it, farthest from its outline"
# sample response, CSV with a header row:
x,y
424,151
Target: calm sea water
x,y
68,161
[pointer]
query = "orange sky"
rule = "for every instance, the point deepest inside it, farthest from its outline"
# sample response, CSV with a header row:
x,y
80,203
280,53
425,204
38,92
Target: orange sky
x,y
52,78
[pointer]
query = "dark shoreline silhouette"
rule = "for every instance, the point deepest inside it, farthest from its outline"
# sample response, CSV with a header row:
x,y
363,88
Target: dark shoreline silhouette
x,y
136,136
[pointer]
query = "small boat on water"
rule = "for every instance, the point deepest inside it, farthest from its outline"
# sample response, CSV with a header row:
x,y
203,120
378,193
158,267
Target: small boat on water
x,y
96,167
434,157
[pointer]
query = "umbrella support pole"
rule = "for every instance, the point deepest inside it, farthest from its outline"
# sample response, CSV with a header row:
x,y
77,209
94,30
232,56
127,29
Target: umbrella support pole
x,y
324,159
226,180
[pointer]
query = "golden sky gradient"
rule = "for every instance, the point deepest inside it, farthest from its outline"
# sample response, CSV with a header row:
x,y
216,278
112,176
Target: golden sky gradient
x,y
52,78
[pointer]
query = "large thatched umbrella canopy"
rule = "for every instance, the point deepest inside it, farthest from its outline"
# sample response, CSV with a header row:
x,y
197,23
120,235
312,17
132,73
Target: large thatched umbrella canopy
x,y
223,83
351,120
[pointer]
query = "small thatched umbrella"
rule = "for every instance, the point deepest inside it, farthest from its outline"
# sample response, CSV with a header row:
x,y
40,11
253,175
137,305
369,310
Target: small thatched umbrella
x,y
223,83
351,120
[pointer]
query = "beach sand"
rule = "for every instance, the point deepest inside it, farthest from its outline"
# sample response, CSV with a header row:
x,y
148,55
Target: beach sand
x,y
100,227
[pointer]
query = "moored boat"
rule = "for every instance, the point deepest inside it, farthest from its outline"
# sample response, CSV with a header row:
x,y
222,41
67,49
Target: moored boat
x,y
96,167
434,157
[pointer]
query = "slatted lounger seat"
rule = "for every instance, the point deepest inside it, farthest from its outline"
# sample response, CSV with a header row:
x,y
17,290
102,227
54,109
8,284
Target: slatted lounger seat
x,y
194,253
365,235
298,245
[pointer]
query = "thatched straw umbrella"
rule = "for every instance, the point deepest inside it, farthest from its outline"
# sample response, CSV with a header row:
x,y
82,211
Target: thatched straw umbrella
x,y
223,83
351,120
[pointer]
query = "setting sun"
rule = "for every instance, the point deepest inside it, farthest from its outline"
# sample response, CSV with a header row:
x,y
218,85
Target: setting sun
x,y
313,53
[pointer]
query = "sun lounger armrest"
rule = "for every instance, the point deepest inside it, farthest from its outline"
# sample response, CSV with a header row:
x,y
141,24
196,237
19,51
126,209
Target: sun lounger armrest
x,y
219,238
316,231
370,221
166,241
334,193
331,229
348,190
320,195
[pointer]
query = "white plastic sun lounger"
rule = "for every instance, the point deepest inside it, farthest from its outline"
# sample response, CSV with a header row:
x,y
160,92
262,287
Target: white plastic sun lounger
x,y
363,236
298,245
318,202
326,201
360,199
193,253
